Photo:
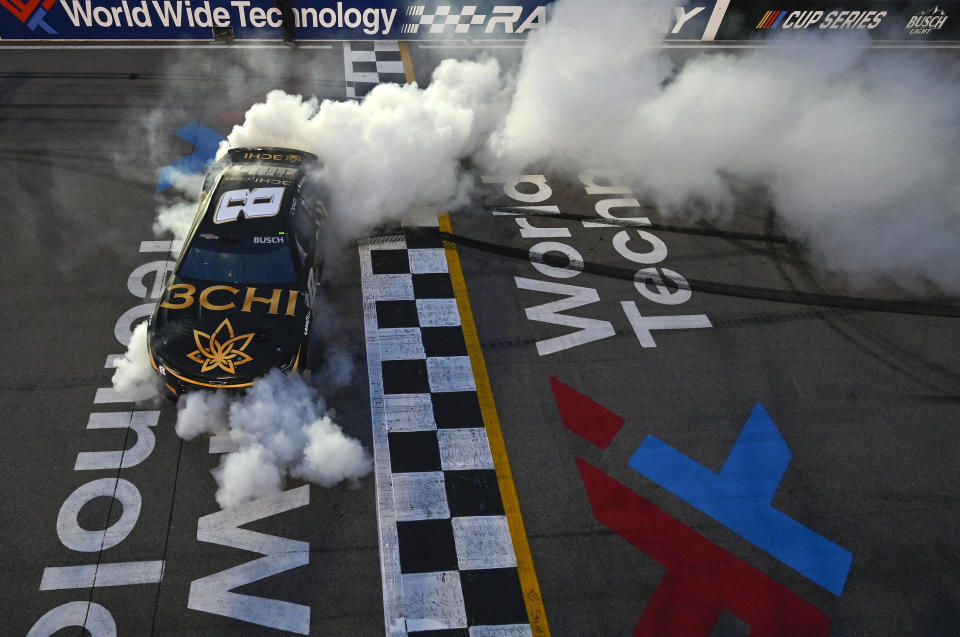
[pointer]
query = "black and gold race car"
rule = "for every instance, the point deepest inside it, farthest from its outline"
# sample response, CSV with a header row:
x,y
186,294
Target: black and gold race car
x,y
238,302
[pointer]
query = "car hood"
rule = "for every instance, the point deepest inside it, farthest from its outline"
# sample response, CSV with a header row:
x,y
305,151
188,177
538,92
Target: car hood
x,y
224,332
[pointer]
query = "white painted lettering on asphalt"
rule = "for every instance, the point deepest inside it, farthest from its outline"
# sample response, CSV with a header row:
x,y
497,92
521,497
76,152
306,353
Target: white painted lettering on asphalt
x,y
656,254
590,329
96,619
172,247
99,575
650,284
123,330
644,325
511,186
574,259
214,593
603,208
139,421
75,537
159,270
659,285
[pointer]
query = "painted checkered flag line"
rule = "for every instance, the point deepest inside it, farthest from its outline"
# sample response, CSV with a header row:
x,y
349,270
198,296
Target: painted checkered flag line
x,y
442,17
448,562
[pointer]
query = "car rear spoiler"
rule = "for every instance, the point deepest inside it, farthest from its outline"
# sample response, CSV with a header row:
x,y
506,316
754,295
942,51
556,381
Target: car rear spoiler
x,y
271,155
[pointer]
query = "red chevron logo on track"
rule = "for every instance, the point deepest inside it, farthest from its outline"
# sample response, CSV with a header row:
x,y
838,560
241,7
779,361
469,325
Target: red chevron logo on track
x,y
701,579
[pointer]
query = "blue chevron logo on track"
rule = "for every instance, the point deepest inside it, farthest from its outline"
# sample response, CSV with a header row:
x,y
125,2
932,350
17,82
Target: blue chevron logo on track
x,y
206,142
740,497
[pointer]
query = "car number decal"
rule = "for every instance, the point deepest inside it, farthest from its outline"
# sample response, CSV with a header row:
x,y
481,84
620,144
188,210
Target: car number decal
x,y
255,203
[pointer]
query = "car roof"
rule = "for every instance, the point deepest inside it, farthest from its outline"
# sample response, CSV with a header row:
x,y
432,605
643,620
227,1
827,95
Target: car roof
x,y
250,169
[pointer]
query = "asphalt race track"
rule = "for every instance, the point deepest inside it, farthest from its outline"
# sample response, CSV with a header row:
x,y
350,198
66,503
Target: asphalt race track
x,y
84,135
836,512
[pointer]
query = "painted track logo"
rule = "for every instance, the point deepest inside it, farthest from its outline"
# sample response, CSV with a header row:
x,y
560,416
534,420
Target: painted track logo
x,y
31,13
702,578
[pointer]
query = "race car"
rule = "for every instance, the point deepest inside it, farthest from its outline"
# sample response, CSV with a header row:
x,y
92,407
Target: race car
x,y
238,302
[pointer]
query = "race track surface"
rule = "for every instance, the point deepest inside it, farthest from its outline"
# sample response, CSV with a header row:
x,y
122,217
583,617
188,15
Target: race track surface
x,y
776,451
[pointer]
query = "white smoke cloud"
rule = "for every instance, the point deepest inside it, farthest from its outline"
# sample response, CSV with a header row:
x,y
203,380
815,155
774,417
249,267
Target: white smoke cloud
x,y
282,428
397,151
250,473
578,79
202,413
856,152
176,216
855,149
135,376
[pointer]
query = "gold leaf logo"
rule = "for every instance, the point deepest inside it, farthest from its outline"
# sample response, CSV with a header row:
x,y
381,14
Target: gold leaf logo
x,y
221,349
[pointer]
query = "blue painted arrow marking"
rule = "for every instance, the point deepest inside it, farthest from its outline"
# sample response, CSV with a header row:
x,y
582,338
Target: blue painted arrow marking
x,y
740,497
205,140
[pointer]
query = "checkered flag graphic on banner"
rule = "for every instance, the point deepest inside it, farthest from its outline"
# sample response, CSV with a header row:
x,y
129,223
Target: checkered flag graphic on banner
x,y
367,64
444,16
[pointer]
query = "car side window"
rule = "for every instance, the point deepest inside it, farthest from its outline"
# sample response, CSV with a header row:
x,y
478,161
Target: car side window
x,y
213,172
313,196
304,232
302,254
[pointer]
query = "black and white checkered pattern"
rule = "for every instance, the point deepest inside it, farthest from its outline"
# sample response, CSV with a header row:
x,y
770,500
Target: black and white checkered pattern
x,y
366,64
448,562
442,17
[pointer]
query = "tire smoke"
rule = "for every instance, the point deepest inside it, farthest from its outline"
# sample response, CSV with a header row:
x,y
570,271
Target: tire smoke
x,y
135,377
281,428
855,150
394,153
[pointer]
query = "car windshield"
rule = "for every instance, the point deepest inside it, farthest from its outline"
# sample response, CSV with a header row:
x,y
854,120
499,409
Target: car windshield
x,y
252,259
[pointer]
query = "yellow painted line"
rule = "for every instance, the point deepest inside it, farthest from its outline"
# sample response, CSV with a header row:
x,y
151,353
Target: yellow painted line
x,y
508,491
407,62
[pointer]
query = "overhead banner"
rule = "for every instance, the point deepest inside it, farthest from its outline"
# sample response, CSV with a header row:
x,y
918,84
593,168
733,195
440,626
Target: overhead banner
x,y
99,20
882,21
260,19
104,20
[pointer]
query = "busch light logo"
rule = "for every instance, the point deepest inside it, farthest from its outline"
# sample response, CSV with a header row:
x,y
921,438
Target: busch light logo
x,y
927,21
